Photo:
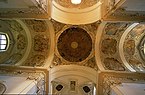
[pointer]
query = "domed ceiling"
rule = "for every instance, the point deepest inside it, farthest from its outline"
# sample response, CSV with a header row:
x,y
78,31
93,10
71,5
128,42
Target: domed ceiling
x,y
83,4
71,12
74,44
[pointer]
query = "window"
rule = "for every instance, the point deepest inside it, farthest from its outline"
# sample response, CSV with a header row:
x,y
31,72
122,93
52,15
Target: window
x,y
86,89
59,87
76,1
3,42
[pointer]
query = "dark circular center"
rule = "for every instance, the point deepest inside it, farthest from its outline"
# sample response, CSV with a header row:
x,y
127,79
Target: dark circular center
x,y
74,44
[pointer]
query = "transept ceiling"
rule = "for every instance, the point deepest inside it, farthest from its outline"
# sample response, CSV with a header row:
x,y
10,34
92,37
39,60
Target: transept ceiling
x,y
74,42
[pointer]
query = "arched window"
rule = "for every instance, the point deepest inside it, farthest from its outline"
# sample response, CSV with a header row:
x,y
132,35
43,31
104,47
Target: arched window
x,y
3,42
76,1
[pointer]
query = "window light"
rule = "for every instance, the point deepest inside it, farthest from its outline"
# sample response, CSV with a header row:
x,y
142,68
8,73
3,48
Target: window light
x,y
76,1
3,42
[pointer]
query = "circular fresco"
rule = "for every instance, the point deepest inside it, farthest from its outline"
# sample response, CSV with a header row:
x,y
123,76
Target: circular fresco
x,y
141,48
74,44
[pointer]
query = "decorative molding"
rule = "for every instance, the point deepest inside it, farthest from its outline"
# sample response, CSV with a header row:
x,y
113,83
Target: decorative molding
x,y
36,60
89,61
74,44
79,75
39,75
21,41
17,41
32,9
122,10
131,49
109,45
41,43
108,79
141,48
14,58
58,87
3,88
57,25
76,15
113,64
87,88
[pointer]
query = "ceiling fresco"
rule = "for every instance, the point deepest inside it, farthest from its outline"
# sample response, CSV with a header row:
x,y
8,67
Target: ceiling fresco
x,y
122,46
40,42
21,51
74,44
17,42
133,47
65,48
82,5
109,46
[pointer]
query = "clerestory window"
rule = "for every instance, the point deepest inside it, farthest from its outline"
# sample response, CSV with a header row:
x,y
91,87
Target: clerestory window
x,y
3,42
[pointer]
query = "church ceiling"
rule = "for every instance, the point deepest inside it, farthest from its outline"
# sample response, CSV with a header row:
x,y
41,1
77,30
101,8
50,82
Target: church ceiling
x,y
78,47
16,42
123,10
122,46
24,9
134,47
82,5
40,42
109,46
74,44
28,42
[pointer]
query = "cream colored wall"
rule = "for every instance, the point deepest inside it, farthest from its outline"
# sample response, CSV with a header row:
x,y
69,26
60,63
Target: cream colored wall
x,y
18,84
66,73
76,16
